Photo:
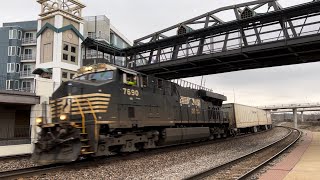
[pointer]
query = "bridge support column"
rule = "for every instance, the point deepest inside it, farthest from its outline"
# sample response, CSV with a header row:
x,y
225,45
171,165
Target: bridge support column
x,y
302,119
295,117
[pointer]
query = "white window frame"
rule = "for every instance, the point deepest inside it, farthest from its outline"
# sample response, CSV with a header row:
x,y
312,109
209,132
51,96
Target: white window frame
x,y
11,34
9,68
8,84
10,50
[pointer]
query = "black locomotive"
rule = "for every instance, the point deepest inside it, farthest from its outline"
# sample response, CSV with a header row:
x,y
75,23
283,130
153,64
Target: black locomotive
x,y
107,109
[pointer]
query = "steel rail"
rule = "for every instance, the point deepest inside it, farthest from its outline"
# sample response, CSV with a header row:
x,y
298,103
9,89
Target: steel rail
x,y
28,171
268,160
212,171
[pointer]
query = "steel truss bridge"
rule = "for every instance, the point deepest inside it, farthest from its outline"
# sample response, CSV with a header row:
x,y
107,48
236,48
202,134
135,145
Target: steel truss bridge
x,y
261,34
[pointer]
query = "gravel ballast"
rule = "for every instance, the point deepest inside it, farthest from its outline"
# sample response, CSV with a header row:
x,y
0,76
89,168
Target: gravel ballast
x,y
15,163
175,164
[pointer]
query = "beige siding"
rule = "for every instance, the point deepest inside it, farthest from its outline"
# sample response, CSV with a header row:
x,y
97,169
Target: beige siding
x,y
49,20
47,46
67,22
246,116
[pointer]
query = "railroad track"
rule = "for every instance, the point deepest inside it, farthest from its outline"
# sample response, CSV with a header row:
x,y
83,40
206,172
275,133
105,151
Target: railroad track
x,y
29,171
244,166
46,168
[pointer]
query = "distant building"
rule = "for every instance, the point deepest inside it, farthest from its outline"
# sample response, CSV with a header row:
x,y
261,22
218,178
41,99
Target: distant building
x,y
100,28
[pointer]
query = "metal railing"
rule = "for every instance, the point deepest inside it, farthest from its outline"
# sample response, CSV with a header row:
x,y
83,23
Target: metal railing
x,y
99,36
190,85
258,34
289,106
28,57
29,40
25,74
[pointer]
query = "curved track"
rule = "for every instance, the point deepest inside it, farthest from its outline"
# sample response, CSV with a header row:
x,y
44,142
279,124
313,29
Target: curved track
x,y
244,166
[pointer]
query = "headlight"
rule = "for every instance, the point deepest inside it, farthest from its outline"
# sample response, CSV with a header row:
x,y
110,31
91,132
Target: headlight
x,y
63,117
39,120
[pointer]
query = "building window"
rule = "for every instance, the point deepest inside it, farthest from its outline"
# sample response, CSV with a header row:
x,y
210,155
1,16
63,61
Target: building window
x,y
9,84
73,59
69,53
65,57
65,47
73,49
28,35
27,51
19,51
19,35
12,85
16,85
10,67
26,86
65,75
12,50
27,70
13,34
17,68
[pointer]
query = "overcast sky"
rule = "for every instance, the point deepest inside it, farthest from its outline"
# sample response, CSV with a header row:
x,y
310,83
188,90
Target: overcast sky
x,y
137,18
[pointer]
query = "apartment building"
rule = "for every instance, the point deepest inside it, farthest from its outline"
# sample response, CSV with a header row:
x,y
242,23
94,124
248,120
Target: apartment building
x,y
18,50
17,55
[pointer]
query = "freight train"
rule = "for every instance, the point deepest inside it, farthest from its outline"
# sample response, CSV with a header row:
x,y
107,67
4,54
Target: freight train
x,y
108,109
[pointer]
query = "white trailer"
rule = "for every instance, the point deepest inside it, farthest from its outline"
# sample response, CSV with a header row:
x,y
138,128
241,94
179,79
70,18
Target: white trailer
x,y
247,117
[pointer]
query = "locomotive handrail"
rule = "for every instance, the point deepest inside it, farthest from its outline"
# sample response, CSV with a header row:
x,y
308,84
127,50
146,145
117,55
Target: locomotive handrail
x,y
92,111
82,115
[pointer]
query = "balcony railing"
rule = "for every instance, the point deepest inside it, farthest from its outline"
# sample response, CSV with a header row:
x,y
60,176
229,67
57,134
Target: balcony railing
x,y
26,74
27,89
28,57
29,40
99,36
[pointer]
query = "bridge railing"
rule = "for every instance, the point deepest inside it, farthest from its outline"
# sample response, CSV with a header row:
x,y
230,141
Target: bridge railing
x,y
289,106
190,85
253,34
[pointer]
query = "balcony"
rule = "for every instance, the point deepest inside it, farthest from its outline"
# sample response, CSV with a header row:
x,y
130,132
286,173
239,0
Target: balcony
x,y
26,74
28,57
29,41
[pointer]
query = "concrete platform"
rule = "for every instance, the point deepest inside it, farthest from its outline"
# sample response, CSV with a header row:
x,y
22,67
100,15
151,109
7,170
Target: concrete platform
x,y
302,163
15,150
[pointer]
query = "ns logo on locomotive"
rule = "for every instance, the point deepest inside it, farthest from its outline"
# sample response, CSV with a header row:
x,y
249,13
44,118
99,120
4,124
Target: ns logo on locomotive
x,y
108,109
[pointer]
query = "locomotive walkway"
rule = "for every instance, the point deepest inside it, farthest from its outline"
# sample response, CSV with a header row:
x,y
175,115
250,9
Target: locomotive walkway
x,y
302,163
